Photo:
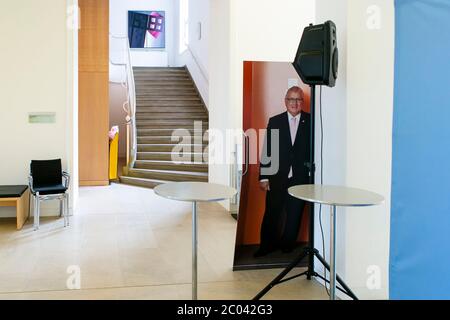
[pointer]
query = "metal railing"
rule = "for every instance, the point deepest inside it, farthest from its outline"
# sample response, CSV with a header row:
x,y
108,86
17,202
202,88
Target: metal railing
x,y
237,173
129,105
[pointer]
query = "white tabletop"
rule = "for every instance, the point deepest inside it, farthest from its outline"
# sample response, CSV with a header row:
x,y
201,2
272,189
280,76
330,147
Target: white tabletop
x,y
335,195
194,191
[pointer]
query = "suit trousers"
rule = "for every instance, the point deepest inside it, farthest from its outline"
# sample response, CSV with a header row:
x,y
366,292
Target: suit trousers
x,y
282,217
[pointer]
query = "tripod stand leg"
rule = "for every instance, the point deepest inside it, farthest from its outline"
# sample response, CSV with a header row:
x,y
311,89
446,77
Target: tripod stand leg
x,y
333,253
312,170
338,279
277,279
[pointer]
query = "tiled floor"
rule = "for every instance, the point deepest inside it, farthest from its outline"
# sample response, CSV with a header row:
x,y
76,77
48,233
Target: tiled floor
x,y
129,243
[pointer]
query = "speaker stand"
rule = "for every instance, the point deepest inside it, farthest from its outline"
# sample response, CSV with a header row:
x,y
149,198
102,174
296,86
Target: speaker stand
x,y
310,251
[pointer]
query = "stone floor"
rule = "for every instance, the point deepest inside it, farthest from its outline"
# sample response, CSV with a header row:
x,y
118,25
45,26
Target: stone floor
x,y
128,243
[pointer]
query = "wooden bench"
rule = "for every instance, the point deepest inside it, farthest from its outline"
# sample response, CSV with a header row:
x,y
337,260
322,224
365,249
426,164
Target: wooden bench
x,y
19,197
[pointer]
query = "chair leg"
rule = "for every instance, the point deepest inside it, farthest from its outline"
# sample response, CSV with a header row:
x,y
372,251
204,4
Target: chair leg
x,y
61,207
29,205
64,210
67,209
36,211
68,204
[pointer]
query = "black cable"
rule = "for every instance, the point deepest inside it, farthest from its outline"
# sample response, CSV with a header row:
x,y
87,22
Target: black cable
x,y
321,182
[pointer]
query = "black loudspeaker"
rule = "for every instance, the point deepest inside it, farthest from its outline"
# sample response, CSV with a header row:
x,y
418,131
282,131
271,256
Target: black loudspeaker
x,y
316,61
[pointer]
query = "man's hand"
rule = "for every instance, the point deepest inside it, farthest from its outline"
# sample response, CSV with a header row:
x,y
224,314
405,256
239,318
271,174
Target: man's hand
x,y
264,185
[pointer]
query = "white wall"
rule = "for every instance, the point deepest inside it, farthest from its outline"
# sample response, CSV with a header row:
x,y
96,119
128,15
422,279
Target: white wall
x,y
199,31
220,88
246,35
334,113
369,136
37,63
119,27
196,56
358,135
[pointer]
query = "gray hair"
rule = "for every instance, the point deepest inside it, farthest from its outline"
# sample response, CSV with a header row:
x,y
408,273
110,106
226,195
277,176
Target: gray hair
x,y
294,89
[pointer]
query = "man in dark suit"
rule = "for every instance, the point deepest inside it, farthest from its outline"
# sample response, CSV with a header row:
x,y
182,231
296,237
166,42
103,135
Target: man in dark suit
x,y
283,169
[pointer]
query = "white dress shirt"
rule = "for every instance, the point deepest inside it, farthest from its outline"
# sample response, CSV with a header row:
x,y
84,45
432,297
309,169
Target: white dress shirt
x,y
293,126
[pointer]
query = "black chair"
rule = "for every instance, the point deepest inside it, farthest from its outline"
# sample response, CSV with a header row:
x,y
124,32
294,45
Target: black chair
x,y
47,181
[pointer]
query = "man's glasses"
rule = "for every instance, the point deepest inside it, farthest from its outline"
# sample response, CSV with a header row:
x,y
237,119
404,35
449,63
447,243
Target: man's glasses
x,y
292,100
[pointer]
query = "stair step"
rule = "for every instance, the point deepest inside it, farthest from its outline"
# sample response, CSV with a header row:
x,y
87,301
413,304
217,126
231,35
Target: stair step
x,y
179,95
170,109
156,69
174,122
174,88
167,132
171,165
161,75
171,103
171,147
149,125
159,81
158,98
168,139
155,74
165,86
164,115
168,175
172,73
167,156
169,86
178,124
144,71
146,80
140,182
188,104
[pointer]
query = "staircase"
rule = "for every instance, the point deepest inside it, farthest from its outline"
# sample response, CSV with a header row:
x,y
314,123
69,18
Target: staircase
x,y
167,99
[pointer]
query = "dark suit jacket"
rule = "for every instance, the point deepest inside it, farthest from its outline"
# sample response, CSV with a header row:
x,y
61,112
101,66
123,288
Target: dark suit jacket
x,y
296,155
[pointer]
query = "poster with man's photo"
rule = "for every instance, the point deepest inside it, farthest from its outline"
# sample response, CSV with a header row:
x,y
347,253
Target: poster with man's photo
x,y
272,225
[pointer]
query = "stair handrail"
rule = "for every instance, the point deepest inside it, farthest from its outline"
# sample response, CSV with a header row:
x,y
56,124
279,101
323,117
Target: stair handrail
x,y
129,106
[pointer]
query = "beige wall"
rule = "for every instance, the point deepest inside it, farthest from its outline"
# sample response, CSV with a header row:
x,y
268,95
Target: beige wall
x,y
36,76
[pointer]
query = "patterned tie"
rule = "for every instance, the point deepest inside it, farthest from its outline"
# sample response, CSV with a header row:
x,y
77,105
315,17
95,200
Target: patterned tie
x,y
293,128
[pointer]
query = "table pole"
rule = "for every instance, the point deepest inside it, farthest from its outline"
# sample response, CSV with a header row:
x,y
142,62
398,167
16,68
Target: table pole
x,y
333,253
194,250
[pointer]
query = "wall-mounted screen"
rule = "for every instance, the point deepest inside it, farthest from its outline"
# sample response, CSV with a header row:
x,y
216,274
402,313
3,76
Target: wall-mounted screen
x,y
146,29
